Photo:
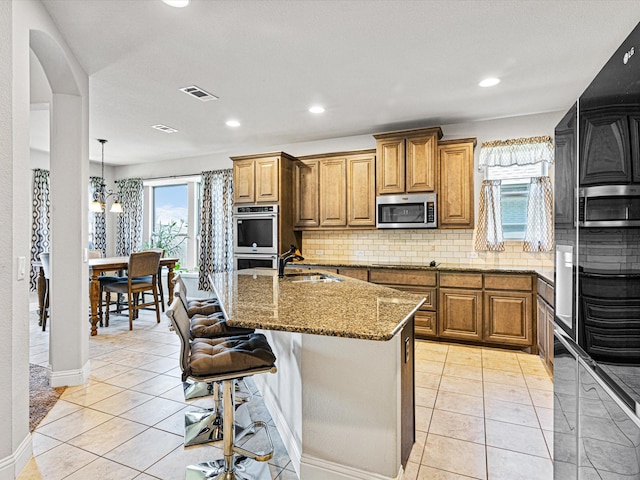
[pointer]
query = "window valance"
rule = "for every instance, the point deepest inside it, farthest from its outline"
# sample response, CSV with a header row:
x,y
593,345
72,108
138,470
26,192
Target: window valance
x,y
517,151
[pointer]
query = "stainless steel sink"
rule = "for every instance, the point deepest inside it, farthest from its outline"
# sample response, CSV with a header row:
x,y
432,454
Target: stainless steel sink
x,y
313,277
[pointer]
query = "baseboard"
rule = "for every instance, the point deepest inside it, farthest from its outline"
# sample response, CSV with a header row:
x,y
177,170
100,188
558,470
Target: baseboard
x,y
318,469
68,378
11,466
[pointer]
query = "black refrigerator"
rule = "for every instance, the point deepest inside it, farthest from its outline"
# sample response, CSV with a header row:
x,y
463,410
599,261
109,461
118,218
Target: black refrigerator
x,y
597,276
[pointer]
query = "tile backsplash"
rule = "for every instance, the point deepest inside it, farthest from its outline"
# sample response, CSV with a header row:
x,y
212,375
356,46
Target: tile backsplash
x,y
417,247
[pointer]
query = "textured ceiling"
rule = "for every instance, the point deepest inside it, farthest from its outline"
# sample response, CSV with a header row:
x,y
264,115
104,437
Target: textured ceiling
x,y
375,65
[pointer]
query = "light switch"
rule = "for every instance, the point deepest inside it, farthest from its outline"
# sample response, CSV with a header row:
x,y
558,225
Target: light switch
x,y
22,267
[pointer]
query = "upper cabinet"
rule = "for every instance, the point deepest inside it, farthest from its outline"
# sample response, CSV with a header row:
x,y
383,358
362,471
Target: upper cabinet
x,y
455,190
335,190
262,178
565,169
406,161
609,145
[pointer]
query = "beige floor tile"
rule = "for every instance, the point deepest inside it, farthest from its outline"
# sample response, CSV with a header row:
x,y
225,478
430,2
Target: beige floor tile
x,y
501,364
61,409
121,402
157,385
104,470
42,443
107,371
508,465
144,450
427,380
107,436
534,369
428,473
430,345
62,461
418,447
74,424
455,456
425,397
541,398
507,393
131,378
545,417
411,471
457,425
461,385
144,476
539,383
548,438
89,396
503,376
160,364
423,418
428,366
431,355
153,411
510,412
175,423
463,371
517,438
174,464
464,358
460,403
30,471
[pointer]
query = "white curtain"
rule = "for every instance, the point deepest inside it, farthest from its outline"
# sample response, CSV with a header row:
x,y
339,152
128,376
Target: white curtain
x,y
517,151
489,228
539,234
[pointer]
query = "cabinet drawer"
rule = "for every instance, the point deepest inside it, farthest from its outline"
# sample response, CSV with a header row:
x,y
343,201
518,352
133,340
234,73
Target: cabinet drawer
x,y
357,273
546,291
508,282
428,293
403,277
425,323
461,280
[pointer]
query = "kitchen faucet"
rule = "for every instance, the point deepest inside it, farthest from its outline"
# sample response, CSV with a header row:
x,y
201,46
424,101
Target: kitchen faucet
x,y
289,256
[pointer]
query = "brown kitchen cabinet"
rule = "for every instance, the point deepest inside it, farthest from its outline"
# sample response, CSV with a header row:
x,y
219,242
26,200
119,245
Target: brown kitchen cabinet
x,y
335,191
256,178
545,313
460,314
406,161
419,282
357,273
508,317
606,148
455,189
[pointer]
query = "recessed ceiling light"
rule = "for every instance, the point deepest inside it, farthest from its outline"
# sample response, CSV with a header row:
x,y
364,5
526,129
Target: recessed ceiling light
x,y
316,109
177,3
489,82
233,123
164,128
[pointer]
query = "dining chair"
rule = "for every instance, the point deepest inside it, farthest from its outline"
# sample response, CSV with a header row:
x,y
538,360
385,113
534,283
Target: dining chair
x,y
142,276
105,279
46,269
160,288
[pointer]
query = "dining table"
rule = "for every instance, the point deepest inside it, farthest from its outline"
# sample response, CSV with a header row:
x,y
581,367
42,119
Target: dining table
x,y
98,266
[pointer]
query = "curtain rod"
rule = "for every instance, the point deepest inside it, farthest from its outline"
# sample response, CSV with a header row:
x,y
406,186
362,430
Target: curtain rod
x,y
166,177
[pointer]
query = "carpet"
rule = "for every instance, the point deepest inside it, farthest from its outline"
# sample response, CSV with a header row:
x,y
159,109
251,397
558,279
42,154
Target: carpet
x,y
42,397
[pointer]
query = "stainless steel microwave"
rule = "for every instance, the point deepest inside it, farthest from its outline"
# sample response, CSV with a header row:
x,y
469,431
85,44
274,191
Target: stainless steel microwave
x,y
609,206
417,210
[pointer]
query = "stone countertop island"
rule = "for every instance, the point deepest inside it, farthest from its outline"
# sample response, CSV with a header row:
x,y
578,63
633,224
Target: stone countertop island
x,y
343,396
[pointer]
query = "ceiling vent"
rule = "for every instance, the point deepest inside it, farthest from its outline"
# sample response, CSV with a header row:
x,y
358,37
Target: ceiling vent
x,y
198,93
164,128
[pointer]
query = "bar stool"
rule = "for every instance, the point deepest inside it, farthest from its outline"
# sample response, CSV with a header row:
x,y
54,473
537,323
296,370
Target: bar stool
x,y
225,359
200,306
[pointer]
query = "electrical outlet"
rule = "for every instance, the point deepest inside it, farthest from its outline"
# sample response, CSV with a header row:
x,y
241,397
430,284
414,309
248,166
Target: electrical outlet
x,y
319,252
431,248
22,267
472,254
359,253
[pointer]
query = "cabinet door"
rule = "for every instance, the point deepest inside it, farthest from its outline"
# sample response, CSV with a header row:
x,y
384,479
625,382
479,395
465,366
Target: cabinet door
x,y
455,192
605,148
421,163
541,322
267,179
361,189
508,318
549,339
407,391
460,314
426,324
306,194
390,166
244,181
565,170
333,192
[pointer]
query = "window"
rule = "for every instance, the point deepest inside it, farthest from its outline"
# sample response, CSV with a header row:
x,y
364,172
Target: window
x,y
171,208
514,195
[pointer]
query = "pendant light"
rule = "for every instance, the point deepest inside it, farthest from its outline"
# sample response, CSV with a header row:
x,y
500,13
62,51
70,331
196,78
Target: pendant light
x,y
101,194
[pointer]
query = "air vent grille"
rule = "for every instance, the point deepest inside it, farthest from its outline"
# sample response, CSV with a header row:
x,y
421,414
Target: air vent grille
x,y
164,128
198,93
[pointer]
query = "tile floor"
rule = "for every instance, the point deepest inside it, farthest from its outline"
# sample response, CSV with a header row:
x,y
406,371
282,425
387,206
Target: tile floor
x,y
480,413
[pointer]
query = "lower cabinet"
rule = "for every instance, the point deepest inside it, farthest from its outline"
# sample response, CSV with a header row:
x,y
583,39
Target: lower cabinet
x,y
508,317
545,312
460,314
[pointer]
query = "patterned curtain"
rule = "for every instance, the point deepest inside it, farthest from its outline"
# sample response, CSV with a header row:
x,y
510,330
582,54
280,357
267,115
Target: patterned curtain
x,y
99,219
40,224
517,151
489,227
216,225
539,234
130,194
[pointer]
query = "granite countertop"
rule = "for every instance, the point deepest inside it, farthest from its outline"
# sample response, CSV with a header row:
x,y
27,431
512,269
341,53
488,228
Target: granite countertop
x,y
546,273
257,298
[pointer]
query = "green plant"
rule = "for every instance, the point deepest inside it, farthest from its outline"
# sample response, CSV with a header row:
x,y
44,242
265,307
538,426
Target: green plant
x,y
167,236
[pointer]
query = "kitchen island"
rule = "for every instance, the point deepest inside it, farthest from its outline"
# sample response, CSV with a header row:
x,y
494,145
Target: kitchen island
x,y
343,396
